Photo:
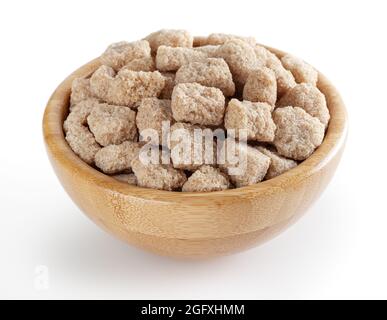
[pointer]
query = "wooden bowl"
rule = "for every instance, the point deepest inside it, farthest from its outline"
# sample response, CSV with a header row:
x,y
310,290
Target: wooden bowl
x,y
193,224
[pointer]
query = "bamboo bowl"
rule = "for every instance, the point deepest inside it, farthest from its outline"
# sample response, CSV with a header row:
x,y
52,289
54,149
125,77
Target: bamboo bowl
x,y
193,225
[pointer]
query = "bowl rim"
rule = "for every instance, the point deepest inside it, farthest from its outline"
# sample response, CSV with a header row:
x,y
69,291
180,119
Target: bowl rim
x,y
57,147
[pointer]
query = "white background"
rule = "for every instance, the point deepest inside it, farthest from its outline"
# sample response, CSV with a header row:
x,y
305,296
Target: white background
x,y
338,250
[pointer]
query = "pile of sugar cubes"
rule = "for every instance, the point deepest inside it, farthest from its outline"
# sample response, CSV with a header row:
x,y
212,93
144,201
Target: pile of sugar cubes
x,y
178,113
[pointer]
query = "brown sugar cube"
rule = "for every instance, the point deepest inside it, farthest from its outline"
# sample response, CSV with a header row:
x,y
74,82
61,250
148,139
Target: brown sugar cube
x,y
240,57
262,54
261,86
169,78
79,113
171,59
145,64
151,113
209,50
187,152
278,164
112,124
265,56
80,90
246,166
205,179
170,38
309,98
197,104
303,72
126,88
121,53
298,134
221,38
83,143
78,136
101,81
285,79
255,117
129,178
158,176
212,72
117,158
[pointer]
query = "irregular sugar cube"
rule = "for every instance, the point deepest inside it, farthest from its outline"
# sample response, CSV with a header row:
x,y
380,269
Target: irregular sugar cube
x,y
262,54
117,158
126,88
309,98
302,71
79,113
121,53
298,134
78,136
197,104
191,146
80,90
261,86
112,124
245,165
151,114
278,164
285,79
254,117
101,82
212,72
205,179
240,57
171,59
83,143
158,176
170,38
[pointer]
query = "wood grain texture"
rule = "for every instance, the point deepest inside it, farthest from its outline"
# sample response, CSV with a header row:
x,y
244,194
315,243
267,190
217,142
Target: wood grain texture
x,y
193,225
